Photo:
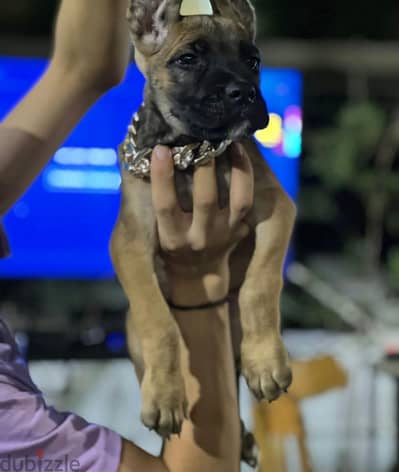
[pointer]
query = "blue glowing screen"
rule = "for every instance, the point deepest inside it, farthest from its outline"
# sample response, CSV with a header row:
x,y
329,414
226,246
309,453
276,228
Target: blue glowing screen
x,y
61,227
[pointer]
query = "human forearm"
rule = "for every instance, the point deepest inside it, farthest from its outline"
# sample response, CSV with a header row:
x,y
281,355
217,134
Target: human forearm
x,y
34,131
211,439
195,248
192,286
133,458
90,56
92,37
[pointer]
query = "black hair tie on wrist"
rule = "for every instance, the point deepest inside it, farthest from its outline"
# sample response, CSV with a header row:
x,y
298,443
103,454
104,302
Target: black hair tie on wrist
x,y
206,306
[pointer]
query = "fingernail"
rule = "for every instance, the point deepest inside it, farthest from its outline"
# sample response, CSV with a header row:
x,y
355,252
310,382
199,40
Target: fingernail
x,y
161,153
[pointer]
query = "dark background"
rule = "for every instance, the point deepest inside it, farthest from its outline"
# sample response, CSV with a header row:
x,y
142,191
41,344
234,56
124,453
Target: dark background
x,y
277,18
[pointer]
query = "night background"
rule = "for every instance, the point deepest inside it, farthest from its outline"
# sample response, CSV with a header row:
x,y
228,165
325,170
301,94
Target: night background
x,y
340,306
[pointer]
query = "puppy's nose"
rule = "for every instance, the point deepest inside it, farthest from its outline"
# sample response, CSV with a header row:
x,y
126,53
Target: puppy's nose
x,y
240,93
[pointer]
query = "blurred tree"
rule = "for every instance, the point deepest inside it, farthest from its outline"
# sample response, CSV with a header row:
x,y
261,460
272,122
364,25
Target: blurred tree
x,y
359,156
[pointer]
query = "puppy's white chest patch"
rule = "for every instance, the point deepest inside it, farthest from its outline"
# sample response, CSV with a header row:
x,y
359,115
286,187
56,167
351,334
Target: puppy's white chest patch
x,y
196,7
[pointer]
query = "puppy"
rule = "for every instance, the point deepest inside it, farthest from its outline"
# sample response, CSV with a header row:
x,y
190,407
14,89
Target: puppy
x,y
202,85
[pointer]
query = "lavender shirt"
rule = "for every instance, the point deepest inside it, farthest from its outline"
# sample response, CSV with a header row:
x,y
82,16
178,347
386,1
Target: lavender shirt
x,y
33,436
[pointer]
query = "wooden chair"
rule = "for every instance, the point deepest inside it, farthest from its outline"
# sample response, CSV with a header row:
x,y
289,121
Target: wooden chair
x,y
279,428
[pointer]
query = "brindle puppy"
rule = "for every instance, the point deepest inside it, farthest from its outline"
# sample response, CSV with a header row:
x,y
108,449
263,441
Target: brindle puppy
x,y
202,84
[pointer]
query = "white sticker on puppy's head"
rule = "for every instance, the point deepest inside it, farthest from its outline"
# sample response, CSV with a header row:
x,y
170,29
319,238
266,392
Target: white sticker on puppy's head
x,y
196,7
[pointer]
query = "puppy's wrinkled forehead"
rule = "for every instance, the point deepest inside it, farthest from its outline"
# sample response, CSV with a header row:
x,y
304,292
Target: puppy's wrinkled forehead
x,y
211,33
158,29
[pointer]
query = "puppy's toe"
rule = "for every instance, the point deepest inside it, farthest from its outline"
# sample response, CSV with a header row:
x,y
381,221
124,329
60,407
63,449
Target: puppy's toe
x,y
163,412
282,376
150,416
266,369
179,415
269,387
166,425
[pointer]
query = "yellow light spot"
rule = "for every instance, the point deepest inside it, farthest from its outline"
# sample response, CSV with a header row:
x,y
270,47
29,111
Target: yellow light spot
x,y
272,135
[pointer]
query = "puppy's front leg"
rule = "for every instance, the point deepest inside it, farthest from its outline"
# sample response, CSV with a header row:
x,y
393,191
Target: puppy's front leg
x,y
151,325
264,360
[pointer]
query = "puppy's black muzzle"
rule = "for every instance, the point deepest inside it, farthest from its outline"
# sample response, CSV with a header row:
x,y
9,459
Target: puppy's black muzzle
x,y
238,105
240,94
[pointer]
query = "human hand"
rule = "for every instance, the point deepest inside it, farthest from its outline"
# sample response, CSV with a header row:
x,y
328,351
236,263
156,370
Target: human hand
x,y
196,246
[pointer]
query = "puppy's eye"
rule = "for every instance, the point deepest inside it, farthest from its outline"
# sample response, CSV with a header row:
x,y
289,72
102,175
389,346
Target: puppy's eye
x,y
187,60
254,63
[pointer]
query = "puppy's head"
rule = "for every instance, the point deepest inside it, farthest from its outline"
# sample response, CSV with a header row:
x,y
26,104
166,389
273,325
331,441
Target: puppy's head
x,y
202,71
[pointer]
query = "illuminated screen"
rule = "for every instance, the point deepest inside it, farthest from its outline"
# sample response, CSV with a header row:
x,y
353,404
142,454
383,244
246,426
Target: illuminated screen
x,y
61,227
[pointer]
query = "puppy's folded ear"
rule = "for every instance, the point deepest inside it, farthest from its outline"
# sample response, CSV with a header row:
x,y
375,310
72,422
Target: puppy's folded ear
x,y
241,11
246,12
149,21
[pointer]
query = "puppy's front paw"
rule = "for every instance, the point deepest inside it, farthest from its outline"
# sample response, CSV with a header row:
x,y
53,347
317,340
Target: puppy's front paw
x,y
164,402
265,366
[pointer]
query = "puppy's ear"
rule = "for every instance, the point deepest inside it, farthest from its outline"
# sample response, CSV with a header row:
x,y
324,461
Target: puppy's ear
x,y
241,11
246,12
149,21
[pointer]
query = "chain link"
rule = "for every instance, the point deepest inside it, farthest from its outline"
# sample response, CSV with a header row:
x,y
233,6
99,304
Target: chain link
x,y
138,161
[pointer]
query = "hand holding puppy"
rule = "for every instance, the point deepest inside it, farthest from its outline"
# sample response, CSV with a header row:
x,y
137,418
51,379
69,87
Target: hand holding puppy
x,y
196,246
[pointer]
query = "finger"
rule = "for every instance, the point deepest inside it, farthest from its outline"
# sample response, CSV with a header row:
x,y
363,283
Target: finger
x,y
205,197
242,185
164,196
223,175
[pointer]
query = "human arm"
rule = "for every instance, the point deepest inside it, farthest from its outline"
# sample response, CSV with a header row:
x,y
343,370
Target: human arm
x,y
210,440
196,249
90,56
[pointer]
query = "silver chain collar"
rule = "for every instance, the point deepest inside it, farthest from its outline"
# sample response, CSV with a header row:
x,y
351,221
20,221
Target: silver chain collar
x,y
138,161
